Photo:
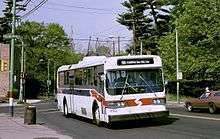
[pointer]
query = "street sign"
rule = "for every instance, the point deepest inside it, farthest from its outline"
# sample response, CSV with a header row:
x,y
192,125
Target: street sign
x,y
180,76
9,36
49,82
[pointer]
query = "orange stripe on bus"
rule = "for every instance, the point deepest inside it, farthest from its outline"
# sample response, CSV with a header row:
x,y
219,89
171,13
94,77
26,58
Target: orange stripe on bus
x,y
130,102
146,101
96,95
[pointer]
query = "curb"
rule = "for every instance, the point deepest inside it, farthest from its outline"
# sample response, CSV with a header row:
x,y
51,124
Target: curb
x,y
29,101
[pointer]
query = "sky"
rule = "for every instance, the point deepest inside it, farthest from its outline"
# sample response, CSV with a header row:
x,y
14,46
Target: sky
x,y
81,18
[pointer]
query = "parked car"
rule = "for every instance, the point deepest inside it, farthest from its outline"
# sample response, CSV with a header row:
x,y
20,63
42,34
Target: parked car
x,y
210,101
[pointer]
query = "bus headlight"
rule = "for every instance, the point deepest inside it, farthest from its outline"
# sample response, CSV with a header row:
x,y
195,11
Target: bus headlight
x,y
115,104
159,101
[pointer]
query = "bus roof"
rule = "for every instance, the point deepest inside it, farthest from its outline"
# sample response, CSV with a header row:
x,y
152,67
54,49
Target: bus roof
x,y
65,67
133,62
91,61
112,62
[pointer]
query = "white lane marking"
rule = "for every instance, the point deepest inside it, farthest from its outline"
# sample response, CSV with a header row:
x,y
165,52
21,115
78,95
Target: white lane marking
x,y
196,117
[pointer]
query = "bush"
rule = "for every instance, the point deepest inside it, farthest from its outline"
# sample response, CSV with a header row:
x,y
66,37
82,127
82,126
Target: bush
x,y
15,93
191,87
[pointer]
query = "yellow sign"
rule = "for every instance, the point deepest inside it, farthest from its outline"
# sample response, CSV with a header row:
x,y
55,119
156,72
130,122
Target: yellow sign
x,y
4,65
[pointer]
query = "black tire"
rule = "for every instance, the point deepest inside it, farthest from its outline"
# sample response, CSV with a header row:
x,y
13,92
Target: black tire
x,y
96,116
189,107
212,108
110,125
65,109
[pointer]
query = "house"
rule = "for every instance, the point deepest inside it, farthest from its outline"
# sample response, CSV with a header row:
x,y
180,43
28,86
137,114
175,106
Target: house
x,y
4,71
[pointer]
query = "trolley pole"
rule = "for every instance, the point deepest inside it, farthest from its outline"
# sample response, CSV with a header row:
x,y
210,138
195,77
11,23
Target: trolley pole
x,y
11,76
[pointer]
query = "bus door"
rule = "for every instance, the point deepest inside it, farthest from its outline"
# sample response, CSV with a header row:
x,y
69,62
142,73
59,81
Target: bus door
x,y
71,86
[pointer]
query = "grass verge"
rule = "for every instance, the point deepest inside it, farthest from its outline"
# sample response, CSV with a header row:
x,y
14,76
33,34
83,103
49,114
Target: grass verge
x,y
172,97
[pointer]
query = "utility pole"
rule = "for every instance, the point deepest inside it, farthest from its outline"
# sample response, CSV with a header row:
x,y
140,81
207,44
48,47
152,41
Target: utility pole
x,y
48,77
24,81
22,73
11,109
113,44
119,45
72,40
54,76
96,44
134,30
177,68
89,45
141,53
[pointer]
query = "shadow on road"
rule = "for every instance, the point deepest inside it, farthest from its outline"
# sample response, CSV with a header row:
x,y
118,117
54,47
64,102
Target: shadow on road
x,y
142,123
206,111
131,124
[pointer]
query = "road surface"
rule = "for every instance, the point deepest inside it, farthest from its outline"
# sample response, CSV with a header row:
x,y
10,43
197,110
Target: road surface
x,y
179,125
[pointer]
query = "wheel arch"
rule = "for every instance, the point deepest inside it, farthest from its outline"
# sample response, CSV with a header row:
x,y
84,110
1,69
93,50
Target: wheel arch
x,y
64,100
211,102
94,106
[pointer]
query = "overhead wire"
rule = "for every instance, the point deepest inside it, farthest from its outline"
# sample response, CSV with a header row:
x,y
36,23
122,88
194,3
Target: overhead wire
x,y
99,40
80,7
68,10
24,5
34,9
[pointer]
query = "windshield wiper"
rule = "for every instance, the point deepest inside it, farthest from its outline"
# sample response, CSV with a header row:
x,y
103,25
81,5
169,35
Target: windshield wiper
x,y
152,91
126,84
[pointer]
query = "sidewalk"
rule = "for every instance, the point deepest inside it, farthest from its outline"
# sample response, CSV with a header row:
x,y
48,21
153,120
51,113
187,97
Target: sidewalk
x,y
173,104
30,101
14,127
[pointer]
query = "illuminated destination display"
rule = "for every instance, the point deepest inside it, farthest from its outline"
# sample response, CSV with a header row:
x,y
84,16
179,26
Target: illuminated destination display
x,y
135,61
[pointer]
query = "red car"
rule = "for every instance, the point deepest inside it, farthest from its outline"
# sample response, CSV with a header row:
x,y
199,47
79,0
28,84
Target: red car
x,y
210,101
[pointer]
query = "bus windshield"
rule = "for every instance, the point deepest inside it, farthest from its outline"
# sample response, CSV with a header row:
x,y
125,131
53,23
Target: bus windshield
x,y
119,82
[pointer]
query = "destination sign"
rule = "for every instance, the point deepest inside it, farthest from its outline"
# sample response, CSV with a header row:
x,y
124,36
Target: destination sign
x,y
135,61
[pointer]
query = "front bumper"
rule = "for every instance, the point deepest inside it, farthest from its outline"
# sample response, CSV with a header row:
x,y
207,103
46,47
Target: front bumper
x,y
139,116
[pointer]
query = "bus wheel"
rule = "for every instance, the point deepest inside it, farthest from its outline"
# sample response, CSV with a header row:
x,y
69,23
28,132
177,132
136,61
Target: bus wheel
x,y
65,109
96,116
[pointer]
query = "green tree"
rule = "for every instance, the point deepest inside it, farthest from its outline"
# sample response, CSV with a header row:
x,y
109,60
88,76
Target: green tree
x,y
43,43
6,20
103,51
135,20
199,35
148,19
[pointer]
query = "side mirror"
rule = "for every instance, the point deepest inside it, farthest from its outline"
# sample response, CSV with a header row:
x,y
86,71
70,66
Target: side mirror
x,y
102,77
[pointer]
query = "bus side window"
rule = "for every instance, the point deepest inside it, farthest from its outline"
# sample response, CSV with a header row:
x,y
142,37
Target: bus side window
x,y
61,79
100,85
71,79
78,76
66,78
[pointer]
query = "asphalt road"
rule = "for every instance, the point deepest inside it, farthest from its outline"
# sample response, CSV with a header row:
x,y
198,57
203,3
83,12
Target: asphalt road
x,y
181,125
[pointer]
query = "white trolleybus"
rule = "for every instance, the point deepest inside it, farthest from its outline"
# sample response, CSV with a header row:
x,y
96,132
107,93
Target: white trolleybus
x,y
111,89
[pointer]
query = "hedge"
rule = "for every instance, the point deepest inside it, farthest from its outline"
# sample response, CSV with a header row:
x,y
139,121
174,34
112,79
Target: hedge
x,y
191,88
